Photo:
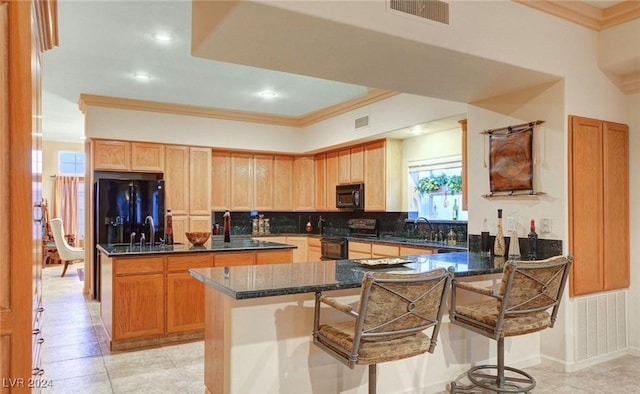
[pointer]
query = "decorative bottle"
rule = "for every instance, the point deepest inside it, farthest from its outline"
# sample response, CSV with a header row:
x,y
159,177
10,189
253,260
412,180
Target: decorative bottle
x,y
485,247
533,241
499,245
168,228
455,209
227,226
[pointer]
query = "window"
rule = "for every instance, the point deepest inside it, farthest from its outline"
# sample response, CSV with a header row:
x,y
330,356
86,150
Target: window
x,y
71,163
435,189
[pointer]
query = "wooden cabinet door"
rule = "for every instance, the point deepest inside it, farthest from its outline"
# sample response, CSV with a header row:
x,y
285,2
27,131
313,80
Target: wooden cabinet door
x,y
615,159
199,181
409,250
283,256
332,180
374,176
138,306
185,295
359,250
241,181
320,162
176,177
263,175
598,205
233,259
299,254
111,155
381,250
303,183
344,166
180,226
283,186
357,164
220,181
200,223
314,251
147,157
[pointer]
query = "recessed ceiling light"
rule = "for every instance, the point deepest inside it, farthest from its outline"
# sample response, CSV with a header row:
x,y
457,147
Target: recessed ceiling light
x,y
162,37
142,76
416,130
268,94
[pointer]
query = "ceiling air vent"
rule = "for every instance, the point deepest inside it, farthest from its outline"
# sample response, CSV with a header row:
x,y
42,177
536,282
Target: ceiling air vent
x,y
362,122
433,10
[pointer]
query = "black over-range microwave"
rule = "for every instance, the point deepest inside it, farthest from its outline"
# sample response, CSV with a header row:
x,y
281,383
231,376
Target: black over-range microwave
x,y
350,196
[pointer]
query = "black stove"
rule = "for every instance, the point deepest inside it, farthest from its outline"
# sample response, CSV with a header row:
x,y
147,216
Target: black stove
x,y
363,228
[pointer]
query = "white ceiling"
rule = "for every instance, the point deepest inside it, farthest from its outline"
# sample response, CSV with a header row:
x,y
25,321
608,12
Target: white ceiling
x,y
104,43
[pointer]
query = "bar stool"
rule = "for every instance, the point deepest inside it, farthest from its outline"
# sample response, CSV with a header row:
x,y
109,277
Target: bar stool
x,y
527,301
388,325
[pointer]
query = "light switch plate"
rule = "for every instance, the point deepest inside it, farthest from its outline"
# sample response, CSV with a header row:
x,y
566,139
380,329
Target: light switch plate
x,y
545,225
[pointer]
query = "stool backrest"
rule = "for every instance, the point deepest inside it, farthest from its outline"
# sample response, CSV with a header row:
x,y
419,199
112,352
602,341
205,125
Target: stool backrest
x,y
533,286
398,305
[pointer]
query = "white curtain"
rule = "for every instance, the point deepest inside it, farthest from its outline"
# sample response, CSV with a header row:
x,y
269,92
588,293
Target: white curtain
x,y
65,201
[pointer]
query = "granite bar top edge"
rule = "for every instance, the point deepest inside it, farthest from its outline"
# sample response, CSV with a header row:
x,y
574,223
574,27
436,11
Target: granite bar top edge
x,y
212,246
342,274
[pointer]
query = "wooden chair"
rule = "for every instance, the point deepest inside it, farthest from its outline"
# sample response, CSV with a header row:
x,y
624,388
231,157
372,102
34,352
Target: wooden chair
x,y
388,325
49,249
68,253
527,301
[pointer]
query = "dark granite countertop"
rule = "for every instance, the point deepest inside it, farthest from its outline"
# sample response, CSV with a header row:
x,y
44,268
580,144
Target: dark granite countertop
x,y
256,281
211,246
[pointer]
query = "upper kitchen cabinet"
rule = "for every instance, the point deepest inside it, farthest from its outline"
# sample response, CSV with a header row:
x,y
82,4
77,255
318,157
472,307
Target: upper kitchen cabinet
x,y
303,182
351,165
241,182
113,155
332,180
383,175
220,181
200,181
263,177
320,163
147,157
598,205
176,177
283,183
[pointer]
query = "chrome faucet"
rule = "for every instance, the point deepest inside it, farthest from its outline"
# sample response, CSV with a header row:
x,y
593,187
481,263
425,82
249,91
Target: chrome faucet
x,y
422,219
320,226
152,229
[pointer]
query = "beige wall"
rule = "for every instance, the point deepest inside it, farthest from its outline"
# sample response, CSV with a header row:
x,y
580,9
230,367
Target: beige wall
x,y
50,151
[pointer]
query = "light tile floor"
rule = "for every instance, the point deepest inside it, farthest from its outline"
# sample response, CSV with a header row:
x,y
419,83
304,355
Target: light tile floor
x,y
77,359
76,356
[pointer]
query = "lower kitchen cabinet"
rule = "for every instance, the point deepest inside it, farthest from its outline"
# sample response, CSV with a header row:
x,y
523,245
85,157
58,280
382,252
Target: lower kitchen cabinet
x,y
185,295
314,251
284,256
299,254
359,250
138,303
383,250
409,250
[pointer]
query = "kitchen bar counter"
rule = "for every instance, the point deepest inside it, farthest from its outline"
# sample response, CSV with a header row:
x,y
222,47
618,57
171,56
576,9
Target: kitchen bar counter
x,y
264,281
259,321
212,245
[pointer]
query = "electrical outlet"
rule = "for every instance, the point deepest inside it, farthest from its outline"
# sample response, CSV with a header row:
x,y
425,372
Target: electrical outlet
x,y
545,225
511,223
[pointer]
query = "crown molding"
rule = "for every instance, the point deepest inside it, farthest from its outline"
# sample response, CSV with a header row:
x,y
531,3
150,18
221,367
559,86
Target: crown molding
x,y
374,95
587,15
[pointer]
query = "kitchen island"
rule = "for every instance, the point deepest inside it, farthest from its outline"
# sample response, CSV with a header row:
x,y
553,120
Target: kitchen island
x,y
259,321
147,296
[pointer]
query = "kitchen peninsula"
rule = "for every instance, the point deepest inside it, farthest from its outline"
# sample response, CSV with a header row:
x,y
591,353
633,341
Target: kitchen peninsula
x,y
148,297
259,321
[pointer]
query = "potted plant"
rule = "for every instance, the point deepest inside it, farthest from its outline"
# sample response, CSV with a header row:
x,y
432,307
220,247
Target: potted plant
x,y
431,183
454,184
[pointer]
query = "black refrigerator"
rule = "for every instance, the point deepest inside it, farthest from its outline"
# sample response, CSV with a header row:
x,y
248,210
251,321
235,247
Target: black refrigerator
x,y
121,208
